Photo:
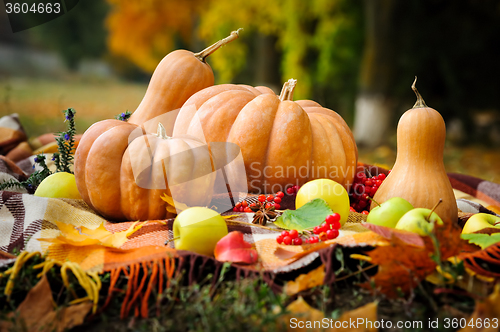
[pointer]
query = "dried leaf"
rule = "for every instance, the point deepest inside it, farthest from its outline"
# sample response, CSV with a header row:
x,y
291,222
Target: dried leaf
x,y
305,281
233,248
172,205
363,239
365,315
303,317
83,236
37,312
402,266
387,232
487,310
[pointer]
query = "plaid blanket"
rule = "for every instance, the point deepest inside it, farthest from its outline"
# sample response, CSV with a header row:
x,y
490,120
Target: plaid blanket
x,y
25,218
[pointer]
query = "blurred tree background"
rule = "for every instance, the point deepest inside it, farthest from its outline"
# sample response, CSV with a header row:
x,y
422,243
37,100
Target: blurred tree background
x,y
357,57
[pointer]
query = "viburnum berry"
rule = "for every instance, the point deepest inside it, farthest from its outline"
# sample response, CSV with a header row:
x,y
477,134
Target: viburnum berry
x,y
324,227
290,191
332,234
247,209
336,225
364,212
332,218
280,194
270,198
262,198
277,199
285,233
279,239
296,188
242,209
382,176
237,205
351,209
235,209
268,205
287,240
297,241
317,230
244,203
293,233
314,239
277,206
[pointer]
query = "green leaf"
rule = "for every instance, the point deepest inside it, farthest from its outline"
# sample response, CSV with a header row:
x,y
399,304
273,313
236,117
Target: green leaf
x,y
482,240
307,216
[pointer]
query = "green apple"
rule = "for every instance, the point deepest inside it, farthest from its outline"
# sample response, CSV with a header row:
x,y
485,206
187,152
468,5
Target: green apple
x,y
480,221
418,221
332,192
199,229
58,185
388,213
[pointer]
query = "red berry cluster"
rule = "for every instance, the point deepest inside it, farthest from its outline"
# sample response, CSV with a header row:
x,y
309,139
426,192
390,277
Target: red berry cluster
x,y
292,190
269,200
326,231
363,188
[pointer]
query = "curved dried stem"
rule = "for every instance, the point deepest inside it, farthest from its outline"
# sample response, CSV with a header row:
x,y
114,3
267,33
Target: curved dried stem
x,y
214,47
420,103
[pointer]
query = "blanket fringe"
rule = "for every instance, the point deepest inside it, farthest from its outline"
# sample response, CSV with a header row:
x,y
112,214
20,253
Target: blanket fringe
x,y
143,279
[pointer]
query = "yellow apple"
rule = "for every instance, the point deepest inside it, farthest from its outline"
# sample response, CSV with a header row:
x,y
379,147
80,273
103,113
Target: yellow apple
x,y
480,221
332,192
58,185
199,229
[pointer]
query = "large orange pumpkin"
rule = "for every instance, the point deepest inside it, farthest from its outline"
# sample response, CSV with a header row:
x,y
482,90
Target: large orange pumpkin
x,y
121,172
179,75
282,141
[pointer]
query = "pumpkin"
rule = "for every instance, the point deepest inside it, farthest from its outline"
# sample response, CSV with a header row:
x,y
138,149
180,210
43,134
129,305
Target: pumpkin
x,y
419,175
178,76
122,172
282,141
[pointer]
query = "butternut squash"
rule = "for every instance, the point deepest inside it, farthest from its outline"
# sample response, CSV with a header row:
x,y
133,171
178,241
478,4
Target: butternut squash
x,y
179,75
419,175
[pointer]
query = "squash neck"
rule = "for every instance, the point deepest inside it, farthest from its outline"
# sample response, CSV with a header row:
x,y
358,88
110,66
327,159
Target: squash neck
x,y
214,47
287,90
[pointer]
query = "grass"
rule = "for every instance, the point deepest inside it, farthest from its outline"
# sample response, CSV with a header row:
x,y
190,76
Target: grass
x,y
244,304
39,102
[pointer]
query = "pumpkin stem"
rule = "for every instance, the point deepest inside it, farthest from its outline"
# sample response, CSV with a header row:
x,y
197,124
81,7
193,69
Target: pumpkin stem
x,y
161,132
212,48
434,208
287,91
420,101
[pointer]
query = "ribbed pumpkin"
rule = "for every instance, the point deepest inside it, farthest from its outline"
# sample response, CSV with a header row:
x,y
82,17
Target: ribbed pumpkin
x,y
419,175
282,141
176,78
121,172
